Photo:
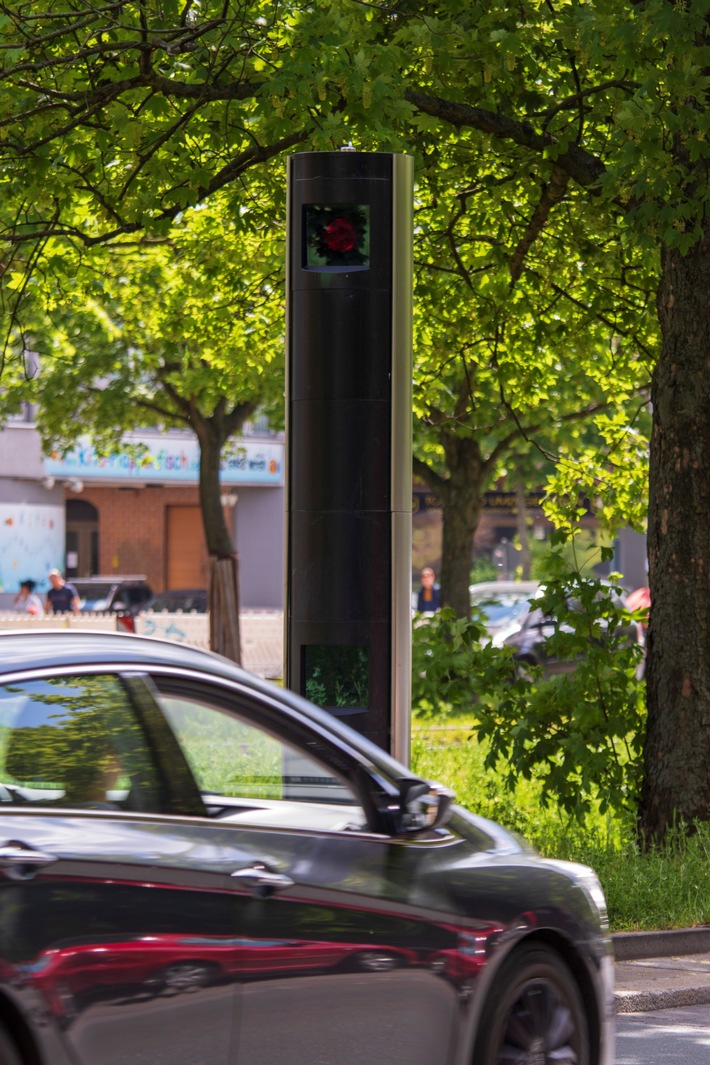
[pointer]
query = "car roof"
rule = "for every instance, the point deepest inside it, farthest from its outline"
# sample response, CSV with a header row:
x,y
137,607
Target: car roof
x,y
42,649
504,587
180,591
109,579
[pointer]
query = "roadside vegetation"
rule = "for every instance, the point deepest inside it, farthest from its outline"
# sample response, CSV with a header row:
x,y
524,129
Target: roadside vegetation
x,y
558,759
665,887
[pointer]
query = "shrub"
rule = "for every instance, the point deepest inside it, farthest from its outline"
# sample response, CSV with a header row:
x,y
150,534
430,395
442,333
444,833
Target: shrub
x,y
580,733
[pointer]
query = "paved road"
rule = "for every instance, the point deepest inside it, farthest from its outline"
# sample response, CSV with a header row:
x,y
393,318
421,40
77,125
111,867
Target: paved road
x,y
664,1037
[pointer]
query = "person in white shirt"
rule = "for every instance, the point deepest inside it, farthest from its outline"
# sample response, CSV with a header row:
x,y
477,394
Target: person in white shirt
x,y
26,601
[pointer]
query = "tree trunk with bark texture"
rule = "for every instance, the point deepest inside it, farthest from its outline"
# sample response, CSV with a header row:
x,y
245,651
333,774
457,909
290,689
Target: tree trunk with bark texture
x,y
460,495
223,600
677,749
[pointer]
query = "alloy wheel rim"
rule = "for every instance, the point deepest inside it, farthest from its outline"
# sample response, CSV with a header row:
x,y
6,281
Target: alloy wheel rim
x,y
540,1028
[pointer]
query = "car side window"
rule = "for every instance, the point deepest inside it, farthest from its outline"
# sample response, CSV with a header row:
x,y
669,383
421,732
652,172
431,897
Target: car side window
x,y
76,742
246,773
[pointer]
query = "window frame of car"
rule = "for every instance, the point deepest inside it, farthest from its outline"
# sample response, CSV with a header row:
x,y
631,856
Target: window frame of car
x,y
383,795
395,806
374,793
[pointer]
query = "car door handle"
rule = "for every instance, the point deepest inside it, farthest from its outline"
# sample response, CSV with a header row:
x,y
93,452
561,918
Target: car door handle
x,y
262,880
19,861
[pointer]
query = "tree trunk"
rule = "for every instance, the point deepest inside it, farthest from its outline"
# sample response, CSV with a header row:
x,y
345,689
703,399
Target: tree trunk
x,y
224,563
225,635
677,748
460,497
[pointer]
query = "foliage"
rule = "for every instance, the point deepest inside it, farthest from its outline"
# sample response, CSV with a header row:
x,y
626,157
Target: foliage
x,y
519,340
579,734
452,665
167,334
482,570
664,888
337,676
536,326
151,335
582,551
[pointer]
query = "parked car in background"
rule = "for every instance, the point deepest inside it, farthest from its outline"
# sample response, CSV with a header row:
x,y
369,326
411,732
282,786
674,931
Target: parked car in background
x,y
127,594
124,596
513,619
503,604
186,850
186,600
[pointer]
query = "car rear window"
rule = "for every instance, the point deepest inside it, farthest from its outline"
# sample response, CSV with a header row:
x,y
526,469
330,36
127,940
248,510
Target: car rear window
x,y
92,594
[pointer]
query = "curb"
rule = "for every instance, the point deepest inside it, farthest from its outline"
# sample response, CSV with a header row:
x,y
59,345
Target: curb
x,y
645,1001
674,943
634,946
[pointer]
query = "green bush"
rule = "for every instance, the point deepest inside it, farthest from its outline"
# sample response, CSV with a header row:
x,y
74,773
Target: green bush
x,y
578,734
665,888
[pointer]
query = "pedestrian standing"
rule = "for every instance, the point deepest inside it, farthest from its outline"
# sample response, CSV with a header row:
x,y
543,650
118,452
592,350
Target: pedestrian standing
x,y
429,597
62,597
27,601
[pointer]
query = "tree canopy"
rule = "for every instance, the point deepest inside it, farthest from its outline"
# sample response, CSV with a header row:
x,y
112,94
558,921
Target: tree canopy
x,y
565,147
165,334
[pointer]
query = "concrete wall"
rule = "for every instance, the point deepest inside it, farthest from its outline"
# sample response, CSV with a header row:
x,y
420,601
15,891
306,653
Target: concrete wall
x,y
260,534
31,516
20,453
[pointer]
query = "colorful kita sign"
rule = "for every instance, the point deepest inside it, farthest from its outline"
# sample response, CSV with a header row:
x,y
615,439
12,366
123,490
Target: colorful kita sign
x,y
168,461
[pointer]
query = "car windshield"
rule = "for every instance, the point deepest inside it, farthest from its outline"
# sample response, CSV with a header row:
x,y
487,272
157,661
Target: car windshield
x,y
503,608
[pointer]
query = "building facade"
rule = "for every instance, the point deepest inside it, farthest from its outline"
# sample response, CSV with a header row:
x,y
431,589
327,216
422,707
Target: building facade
x,y
137,512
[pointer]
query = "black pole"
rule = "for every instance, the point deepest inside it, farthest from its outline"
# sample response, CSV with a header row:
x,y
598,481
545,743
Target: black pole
x,y
348,610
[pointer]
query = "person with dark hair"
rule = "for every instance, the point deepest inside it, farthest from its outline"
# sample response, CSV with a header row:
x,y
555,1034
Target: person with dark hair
x,y
429,597
26,601
62,597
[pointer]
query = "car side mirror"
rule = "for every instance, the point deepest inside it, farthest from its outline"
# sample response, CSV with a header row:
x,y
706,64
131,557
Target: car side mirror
x,y
422,806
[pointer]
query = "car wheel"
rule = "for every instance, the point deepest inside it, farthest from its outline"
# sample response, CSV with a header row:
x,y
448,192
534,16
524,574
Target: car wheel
x,y
185,976
376,961
534,1013
8,1050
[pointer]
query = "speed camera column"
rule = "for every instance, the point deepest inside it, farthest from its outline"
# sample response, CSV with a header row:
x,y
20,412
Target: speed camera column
x,y
349,410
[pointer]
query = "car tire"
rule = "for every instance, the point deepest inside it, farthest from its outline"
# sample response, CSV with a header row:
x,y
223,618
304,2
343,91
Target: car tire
x,y
376,961
8,1050
186,976
533,1013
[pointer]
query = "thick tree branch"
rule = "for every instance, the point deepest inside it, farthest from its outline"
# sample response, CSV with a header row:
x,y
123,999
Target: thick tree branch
x,y
423,470
251,156
582,166
552,193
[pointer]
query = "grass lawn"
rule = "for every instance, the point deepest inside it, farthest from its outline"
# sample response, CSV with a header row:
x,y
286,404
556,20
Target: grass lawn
x,y
669,888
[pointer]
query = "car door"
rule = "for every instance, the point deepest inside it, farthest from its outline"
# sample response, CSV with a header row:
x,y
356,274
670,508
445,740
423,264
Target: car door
x,y
117,913
346,941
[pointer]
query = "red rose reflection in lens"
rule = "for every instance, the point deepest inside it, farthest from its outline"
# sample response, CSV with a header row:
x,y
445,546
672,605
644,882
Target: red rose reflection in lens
x,y
340,235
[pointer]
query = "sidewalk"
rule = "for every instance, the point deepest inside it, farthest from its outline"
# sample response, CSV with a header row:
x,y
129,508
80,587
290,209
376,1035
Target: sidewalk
x,y
660,970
